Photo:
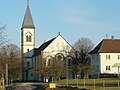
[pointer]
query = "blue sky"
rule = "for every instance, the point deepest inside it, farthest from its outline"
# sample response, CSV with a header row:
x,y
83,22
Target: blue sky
x,y
92,19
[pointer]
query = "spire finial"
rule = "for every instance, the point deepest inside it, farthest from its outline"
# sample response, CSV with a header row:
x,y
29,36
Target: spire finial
x,y
27,2
58,33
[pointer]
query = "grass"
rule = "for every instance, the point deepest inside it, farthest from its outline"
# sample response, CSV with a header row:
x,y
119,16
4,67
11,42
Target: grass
x,y
94,84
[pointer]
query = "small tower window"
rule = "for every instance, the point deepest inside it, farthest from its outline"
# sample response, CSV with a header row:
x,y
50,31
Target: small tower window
x,y
28,38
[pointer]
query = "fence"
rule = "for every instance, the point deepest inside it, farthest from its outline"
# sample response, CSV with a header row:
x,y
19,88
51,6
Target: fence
x,y
93,84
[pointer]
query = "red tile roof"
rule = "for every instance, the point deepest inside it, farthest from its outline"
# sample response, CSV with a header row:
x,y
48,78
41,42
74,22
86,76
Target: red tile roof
x,y
107,46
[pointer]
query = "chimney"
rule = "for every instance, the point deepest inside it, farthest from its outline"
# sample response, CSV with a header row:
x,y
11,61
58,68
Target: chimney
x,y
112,37
106,36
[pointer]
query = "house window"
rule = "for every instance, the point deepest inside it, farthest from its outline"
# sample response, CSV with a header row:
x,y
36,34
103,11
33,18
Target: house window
x,y
107,67
107,56
118,56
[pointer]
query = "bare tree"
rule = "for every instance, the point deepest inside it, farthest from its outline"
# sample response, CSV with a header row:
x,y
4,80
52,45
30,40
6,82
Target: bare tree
x,y
84,46
43,69
54,68
2,35
57,69
10,54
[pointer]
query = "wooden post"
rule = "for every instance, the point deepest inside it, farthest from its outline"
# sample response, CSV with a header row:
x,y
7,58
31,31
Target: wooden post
x,y
84,82
94,84
103,85
6,75
118,84
77,81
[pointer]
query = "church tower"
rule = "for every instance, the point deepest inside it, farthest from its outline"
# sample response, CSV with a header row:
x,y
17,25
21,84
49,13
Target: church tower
x,y
27,39
28,32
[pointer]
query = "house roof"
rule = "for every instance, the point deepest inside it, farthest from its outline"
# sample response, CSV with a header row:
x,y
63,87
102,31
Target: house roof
x,y
43,46
107,46
28,21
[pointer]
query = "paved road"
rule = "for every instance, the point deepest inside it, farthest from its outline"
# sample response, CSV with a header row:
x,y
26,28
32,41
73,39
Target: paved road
x,y
38,86
28,86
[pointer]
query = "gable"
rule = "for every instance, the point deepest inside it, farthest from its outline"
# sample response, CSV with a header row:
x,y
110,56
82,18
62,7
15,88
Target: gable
x,y
58,44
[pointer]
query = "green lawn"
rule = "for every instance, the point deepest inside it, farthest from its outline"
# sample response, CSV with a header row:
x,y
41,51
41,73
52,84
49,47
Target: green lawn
x,y
94,84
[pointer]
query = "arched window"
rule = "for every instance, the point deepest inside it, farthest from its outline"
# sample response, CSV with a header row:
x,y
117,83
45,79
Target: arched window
x,y
28,38
49,61
69,60
59,58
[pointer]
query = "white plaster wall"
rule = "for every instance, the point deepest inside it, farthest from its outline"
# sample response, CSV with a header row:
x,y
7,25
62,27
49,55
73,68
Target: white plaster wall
x,y
113,59
59,45
28,45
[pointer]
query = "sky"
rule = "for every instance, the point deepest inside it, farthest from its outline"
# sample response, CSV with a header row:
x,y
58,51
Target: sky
x,y
74,19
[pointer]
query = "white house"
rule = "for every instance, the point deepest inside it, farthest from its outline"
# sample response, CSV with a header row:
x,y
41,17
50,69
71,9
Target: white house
x,y
106,58
31,56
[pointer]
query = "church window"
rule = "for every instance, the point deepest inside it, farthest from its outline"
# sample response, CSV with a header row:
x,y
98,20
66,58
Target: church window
x,y
69,60
59,57
49,62
28,38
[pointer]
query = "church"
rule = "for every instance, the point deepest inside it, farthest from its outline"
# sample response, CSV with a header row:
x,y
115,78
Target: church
x,y
56,48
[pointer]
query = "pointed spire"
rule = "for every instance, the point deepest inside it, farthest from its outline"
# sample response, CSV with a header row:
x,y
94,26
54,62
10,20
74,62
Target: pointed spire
x,y
27,2
28,21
